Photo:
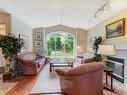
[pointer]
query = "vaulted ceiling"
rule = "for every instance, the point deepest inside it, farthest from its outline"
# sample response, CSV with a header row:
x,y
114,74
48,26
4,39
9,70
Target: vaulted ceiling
x,y
75,13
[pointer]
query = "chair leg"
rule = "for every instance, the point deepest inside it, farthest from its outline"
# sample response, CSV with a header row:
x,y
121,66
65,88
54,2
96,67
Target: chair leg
x,y
63,93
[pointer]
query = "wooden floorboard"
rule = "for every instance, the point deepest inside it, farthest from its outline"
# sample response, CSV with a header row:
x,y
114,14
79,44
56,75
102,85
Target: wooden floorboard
x,y
24,85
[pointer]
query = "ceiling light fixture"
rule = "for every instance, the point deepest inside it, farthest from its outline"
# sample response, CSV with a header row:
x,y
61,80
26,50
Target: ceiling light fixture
x,y
102,9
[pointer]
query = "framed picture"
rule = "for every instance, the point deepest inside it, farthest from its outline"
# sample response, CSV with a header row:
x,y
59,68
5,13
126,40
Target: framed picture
x,y
38,35
91,41
25,40
115,29
38,49
38,43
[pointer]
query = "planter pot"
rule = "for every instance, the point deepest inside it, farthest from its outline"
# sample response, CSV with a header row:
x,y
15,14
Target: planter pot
x,y
7,76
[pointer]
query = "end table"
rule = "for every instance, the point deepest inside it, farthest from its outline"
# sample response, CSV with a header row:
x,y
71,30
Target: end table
x,y
109,71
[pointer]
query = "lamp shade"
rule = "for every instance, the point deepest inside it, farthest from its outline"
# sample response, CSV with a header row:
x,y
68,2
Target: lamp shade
x,y
106,50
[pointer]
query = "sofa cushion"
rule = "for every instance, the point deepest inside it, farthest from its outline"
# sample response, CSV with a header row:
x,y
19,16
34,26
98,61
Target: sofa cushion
x,y
39,56
88,60
29,57
88,55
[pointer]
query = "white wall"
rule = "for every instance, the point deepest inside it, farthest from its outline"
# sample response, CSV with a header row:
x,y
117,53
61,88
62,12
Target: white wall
x,y
18,27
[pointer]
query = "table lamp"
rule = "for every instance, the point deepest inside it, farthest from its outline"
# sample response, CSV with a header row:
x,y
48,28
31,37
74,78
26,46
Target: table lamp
x,y
106,50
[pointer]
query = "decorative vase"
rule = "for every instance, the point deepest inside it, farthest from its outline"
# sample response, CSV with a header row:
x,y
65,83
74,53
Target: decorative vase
x,y
7,64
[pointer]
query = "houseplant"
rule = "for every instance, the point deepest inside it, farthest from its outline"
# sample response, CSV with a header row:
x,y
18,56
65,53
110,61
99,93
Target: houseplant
x,y
10,46
96,43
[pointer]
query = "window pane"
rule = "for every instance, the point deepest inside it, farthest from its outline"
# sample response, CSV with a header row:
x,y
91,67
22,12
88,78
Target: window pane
x,y
60,44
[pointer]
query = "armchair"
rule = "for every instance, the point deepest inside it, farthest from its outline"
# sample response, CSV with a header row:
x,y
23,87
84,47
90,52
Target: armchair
x,y
86,79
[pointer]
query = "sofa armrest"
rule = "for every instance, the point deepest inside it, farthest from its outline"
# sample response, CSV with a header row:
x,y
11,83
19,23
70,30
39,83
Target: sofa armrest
x,y
88,60
28,63
62,72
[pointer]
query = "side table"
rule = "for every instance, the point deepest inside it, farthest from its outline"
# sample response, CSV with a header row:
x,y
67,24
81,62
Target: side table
x,y
109,71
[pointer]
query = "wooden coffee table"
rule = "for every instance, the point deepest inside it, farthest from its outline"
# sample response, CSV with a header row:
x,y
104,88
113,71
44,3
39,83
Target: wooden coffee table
x,y
61,62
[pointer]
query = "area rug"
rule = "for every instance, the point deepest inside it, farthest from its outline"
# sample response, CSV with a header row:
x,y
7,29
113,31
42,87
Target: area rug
x,y
49,83
6,86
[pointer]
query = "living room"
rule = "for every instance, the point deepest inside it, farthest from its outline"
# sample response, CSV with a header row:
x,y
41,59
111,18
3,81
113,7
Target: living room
x,y
59,32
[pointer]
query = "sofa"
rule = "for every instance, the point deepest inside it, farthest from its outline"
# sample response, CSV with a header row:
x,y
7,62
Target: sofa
x,y
86,79
86,58
31,63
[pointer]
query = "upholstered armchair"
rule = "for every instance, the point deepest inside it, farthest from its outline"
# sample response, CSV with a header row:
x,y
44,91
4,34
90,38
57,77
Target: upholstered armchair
x,y
86,79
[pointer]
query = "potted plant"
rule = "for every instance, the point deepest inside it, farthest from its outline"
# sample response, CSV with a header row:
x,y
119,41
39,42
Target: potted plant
x,y
10,46
97,41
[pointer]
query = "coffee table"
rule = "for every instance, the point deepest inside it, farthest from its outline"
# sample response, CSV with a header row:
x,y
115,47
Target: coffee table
x,y
61,62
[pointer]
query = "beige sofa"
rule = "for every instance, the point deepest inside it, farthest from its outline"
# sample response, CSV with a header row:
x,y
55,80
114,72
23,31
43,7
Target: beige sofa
x,y
30,64
86,58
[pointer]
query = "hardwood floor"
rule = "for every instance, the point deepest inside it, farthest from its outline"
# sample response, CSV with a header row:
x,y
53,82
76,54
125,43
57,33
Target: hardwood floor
x,y
26,84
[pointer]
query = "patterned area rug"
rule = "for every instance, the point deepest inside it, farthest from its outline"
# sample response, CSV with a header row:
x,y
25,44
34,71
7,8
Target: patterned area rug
x,y
6,86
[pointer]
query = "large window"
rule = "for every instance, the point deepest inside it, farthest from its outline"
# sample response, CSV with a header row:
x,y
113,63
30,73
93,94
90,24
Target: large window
x,y
60,44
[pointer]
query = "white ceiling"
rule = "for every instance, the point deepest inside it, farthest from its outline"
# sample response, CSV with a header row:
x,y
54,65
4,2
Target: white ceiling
x,y
75,13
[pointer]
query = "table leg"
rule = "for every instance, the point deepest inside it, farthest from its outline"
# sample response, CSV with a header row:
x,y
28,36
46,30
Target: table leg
x,y
106,83
71,65
111,83
50,67
106,78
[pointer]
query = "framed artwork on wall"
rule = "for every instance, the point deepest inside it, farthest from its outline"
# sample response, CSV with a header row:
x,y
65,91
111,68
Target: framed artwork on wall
x,y
115,29
38,49
38,35
25,40
38,43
